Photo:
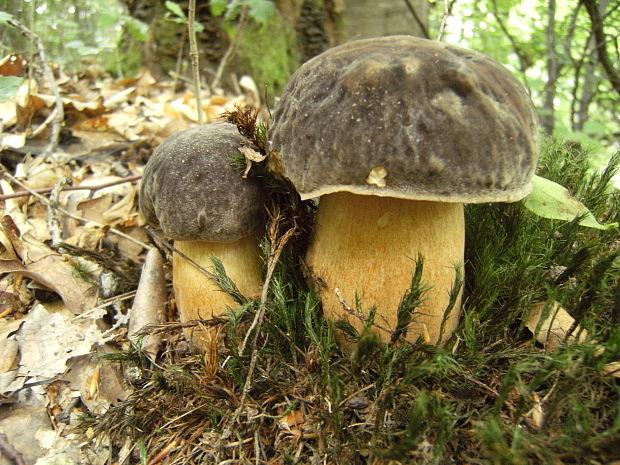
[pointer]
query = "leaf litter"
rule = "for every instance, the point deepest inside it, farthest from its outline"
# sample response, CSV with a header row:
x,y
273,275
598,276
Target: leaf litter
x,y
71,247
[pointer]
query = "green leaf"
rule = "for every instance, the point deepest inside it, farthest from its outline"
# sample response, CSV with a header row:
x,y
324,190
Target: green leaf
x,y
137,29
262,11
551,200
175,9
218,7
5,17
9,85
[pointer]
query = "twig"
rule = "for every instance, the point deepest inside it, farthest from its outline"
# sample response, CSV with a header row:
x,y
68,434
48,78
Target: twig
x,y
592,8
172,249
230,50
71,215
47,190
9,451
447,12
107,303
54,223
481,384
57,116
277,246
194,58
418,20
347,308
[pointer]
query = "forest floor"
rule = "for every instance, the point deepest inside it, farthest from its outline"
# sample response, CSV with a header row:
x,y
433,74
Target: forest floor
x,y
531,375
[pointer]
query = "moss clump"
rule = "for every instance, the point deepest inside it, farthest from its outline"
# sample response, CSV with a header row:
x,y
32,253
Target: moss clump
x,y
491,396
270,55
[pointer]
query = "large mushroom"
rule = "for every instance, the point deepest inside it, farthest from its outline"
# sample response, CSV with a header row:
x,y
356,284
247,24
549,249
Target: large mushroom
x,y
395,135
194,195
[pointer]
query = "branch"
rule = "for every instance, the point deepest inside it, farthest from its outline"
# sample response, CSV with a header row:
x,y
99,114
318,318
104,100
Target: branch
x,y
231,49
195,58
600,40
47,190
447,12
46,202
418,20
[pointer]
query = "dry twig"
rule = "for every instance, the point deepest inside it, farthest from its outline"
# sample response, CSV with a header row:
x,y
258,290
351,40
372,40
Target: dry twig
x,y
47,190
69,214
277,244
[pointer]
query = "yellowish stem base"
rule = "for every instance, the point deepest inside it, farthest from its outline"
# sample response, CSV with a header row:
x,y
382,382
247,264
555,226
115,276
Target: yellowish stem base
x,y
368,245
198,297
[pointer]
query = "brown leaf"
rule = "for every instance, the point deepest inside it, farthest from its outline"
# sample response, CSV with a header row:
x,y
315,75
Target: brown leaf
x,y
56,273
554,327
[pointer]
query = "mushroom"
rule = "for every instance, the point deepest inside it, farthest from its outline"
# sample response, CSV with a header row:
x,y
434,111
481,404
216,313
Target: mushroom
x,y
394,135
193,194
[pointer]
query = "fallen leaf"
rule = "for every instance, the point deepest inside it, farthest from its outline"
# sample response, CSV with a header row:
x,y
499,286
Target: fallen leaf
x,y
56,273
553,328
48,340
551,200
149,302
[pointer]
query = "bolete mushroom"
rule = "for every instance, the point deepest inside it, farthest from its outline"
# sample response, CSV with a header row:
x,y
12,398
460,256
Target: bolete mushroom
x,y
394,135
193,194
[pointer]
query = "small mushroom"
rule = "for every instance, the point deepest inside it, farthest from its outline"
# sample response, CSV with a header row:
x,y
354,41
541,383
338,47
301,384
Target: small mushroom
x,y
395,134
193,194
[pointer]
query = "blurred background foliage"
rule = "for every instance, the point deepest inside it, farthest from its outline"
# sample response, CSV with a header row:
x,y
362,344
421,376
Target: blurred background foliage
x,y
567,53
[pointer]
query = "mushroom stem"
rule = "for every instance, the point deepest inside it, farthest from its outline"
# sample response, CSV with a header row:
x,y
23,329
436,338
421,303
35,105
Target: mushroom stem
x,y
368,245
198,297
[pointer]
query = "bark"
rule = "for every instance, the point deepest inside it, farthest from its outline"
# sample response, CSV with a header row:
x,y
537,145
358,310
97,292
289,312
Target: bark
x,y
600,38
374,18
547,119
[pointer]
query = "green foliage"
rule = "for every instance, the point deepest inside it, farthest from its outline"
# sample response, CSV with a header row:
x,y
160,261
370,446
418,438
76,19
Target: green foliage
x,y
5,17
261,11
136,29
70,34
515,32
9,85
179,16
550,200
269,56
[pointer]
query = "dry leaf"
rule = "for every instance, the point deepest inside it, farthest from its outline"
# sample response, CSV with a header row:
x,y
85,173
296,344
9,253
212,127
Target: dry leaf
x,y
612,369
9,349
554,328
148,305
377,176
252,155
291,419
55,272
48,340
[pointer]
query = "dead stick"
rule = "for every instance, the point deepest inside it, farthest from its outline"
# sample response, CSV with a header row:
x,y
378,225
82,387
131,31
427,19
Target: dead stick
x,y
71,215
47,190
10,452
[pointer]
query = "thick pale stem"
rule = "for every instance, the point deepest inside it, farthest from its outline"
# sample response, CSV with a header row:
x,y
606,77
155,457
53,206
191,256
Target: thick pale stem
x,y
368,245
197,296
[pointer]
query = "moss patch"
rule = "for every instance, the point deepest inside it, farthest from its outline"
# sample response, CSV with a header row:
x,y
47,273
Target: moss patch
x,y
491,396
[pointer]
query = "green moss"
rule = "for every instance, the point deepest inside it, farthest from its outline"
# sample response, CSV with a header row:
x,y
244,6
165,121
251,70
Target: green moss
x,y
491,396
269,55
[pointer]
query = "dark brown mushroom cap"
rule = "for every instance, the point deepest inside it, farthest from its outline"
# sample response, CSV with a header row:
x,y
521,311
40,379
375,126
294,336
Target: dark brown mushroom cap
x,y
191,191
406,117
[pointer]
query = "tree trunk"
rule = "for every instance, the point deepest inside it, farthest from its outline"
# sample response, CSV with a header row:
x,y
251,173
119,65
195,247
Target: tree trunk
x,y
374,18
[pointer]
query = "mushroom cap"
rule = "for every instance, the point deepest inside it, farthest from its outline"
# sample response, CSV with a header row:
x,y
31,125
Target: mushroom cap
x,y
406,117
191,191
